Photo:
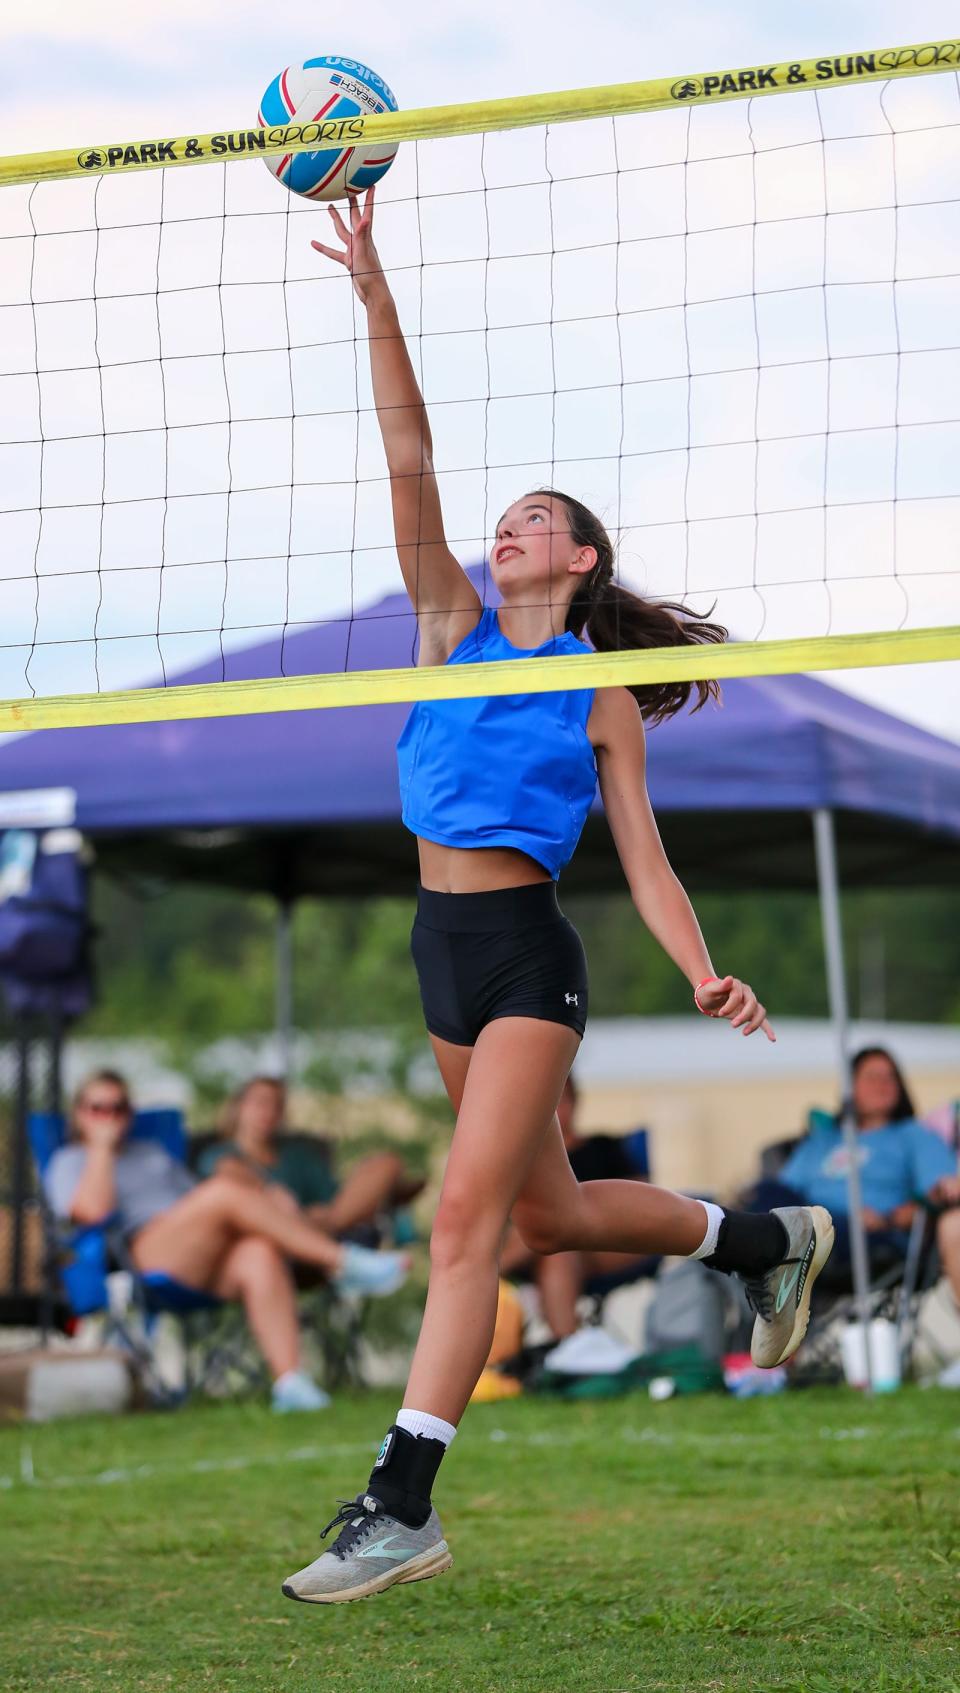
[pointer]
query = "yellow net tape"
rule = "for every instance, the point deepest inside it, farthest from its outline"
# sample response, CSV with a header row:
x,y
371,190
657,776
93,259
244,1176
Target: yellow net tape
x,y
832,71
463,681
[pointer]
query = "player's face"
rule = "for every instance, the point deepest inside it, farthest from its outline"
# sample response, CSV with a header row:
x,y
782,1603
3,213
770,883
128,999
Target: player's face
x,y
102,1102
534,547
261,1109
875,1088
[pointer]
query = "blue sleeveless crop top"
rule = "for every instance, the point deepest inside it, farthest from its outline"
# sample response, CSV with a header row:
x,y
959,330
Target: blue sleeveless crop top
x,y
513,770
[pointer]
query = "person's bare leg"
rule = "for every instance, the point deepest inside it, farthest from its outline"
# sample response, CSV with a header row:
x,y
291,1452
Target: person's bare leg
x,y
560,1278
189,1239
255,1272
612,1263
507,1089
948,1245
515,1254
374,1185
508,1153
556,1213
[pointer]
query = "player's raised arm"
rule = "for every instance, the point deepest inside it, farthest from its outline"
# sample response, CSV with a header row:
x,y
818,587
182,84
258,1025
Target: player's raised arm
x,y
446,603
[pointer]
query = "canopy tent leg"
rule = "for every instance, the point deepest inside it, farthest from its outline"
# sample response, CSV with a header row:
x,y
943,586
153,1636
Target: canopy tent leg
x,y
828,883
283,989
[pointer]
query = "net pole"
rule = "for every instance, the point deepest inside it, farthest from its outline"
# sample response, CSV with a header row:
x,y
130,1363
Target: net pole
x,y
283,989
20,1157
828,885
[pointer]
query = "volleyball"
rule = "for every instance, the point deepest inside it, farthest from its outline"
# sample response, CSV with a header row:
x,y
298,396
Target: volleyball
x,y
327,92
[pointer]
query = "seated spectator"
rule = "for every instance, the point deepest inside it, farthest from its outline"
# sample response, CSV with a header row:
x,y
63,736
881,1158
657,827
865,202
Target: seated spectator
x,y
256,1144
945,1196
227,1236
562,1277
901,1164
944,1120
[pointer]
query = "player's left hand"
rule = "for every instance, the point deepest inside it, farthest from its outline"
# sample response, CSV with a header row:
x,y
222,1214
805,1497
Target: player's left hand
x,y
728,997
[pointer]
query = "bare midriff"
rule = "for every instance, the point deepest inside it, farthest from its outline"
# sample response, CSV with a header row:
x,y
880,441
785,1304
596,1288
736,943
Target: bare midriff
x,y
475,870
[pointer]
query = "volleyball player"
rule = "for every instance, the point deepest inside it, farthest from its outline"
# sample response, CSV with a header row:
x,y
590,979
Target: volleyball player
x,y
497,791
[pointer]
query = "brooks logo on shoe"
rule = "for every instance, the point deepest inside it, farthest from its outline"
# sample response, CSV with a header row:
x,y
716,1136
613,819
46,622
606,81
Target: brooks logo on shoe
x,y
798,1277
378,1549
785,1289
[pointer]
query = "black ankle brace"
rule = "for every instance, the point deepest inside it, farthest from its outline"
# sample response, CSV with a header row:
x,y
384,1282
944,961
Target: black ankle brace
x,y
403,1476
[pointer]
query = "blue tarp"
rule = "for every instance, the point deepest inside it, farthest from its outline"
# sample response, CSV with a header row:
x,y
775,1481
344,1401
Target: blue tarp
x,y
322,785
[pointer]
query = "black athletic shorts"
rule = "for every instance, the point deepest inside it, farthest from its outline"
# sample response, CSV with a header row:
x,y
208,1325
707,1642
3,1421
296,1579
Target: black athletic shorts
x,y
509,953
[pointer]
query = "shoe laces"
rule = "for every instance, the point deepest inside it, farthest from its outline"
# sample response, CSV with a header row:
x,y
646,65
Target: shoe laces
x,y
759,1290
356,1518
759,1296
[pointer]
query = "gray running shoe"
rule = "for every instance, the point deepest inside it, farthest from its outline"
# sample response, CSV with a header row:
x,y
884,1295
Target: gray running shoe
x,y
372,1551
781,1297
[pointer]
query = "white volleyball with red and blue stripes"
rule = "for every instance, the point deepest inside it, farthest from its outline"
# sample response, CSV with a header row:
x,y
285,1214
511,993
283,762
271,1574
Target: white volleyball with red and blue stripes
x,y
324,91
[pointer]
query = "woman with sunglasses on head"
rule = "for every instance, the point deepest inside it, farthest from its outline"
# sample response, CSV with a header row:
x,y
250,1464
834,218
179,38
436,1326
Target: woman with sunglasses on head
x,y
228,1236
497,791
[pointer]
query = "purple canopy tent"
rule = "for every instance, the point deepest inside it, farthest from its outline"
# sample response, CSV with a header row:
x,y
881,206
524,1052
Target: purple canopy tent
x,y
306,803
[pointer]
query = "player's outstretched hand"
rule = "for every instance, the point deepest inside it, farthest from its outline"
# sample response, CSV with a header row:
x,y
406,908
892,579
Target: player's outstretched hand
x,y
735,1000
358,254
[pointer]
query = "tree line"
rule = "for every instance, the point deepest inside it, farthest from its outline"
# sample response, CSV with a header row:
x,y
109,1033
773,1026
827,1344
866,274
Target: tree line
x,y
192,964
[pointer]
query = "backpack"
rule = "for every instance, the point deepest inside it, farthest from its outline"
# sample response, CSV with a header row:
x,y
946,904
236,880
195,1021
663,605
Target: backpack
x,y
688,1308
44,924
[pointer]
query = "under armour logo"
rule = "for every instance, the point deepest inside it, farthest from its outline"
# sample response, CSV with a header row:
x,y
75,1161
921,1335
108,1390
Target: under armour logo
x,y
570,999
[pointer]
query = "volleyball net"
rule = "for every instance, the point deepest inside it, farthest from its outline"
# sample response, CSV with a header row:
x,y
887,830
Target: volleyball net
x,y
728,323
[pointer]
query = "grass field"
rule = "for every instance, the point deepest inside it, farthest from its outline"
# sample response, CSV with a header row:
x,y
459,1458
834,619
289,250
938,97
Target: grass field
x,y
810,1542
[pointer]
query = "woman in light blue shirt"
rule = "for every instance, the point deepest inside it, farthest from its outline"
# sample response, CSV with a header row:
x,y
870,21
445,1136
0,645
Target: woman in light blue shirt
x,y
901,1163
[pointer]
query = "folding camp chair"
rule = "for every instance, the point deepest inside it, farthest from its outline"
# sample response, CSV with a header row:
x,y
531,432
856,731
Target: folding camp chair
x,y
332,1324
895,1294
93,1268
896,1283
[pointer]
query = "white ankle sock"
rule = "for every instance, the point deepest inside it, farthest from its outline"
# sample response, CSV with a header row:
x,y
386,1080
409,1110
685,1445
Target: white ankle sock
x,y
714,1219
421,1422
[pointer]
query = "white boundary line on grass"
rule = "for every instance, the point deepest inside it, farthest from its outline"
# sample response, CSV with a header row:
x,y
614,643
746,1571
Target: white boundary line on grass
x,y
200,1466
630,1436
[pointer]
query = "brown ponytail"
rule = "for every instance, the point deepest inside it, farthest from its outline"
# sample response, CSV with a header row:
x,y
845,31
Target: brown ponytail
x,y
615,618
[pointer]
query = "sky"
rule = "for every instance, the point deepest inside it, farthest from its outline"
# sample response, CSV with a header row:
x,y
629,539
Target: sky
x,y
685,499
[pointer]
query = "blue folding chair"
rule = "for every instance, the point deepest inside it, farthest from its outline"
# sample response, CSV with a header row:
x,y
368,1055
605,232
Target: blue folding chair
x,y
82,1257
